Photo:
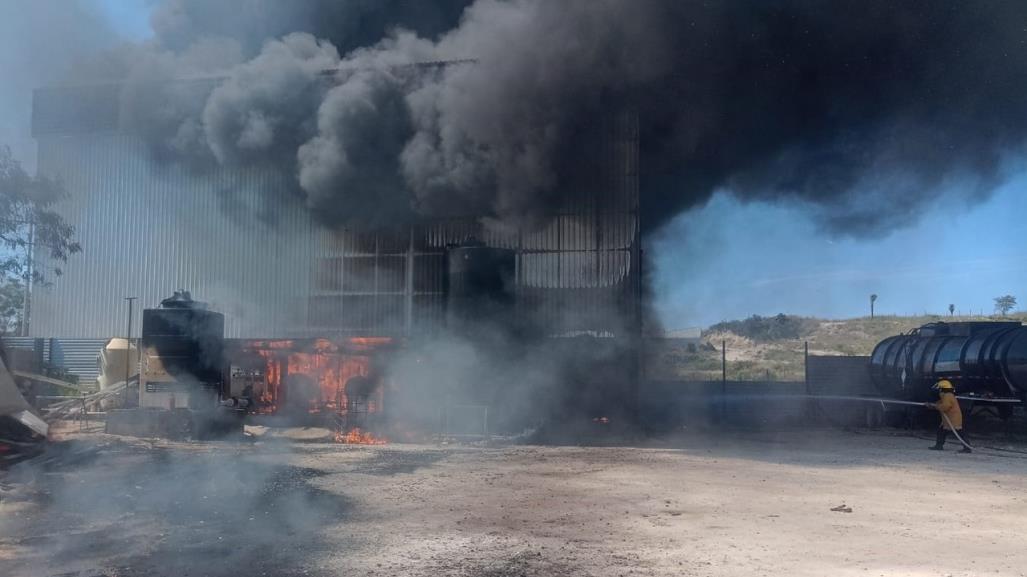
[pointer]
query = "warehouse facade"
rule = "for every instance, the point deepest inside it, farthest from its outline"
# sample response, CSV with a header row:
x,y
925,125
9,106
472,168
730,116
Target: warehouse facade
x,y
240,240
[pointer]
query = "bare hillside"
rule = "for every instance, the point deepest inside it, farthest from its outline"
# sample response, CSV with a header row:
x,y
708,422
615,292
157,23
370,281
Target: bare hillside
x,y
771,348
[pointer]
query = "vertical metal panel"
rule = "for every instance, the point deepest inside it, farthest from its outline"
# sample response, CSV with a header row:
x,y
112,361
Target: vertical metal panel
x,y
239,240
76,356
147,229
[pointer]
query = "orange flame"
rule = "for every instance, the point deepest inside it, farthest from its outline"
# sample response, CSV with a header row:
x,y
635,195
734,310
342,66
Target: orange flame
x,y
358,437
330,365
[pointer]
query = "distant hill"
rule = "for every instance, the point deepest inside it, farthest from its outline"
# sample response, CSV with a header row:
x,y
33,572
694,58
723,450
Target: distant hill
x,y
772,347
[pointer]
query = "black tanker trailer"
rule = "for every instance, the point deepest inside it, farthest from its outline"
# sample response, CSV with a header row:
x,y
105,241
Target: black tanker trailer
x,y
985,359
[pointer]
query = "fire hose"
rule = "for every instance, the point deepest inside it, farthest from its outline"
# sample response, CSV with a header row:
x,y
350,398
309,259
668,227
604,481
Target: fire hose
x,y
884,402
892,402
914,404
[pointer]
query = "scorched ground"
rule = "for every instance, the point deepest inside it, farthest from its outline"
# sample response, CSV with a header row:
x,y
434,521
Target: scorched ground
x,y
743,505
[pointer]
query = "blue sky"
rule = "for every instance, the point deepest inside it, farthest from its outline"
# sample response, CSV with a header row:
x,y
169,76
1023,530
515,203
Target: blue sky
x,y
130,18
730,260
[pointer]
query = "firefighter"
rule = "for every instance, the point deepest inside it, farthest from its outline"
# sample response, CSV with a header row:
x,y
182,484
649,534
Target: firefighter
x,y
948,406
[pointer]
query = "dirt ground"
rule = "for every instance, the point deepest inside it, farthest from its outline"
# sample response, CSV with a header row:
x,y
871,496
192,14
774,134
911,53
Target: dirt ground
x,y
743,504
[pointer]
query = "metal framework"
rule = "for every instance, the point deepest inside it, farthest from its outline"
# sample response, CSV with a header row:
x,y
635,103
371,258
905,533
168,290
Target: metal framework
x,y
238,240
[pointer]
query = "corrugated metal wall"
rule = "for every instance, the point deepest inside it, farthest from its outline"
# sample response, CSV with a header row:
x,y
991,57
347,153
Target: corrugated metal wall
x,y
233,238
581,274
77,356
576,274
241,241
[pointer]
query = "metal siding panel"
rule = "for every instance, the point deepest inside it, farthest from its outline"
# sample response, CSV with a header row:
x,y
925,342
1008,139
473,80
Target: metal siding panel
x,y
147,230
77,356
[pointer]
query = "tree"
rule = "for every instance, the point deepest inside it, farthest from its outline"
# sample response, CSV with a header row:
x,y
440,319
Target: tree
x,y
12,301
35,240
1004,304
873,298
952,310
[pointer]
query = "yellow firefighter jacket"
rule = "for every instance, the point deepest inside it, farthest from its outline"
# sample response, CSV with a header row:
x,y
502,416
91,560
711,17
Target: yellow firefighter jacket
x,y
948,405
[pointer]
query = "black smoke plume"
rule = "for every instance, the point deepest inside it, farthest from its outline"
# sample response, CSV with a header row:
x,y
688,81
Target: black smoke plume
x,y
865,109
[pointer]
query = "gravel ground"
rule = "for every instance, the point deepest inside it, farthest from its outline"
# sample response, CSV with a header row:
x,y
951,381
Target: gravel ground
x,y
726,505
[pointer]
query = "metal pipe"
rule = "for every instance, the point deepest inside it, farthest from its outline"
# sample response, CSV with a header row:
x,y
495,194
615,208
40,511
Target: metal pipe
x,y
883,401
30,273
128,348
723,379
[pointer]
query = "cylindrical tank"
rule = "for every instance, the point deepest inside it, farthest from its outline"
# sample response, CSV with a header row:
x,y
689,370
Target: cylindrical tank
x,y
888,364
1014,366
480,283
181,349
877,358
987,358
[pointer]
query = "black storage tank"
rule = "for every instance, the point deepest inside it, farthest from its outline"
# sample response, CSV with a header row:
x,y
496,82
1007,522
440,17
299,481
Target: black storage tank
x,y
183,354
480,284
985,358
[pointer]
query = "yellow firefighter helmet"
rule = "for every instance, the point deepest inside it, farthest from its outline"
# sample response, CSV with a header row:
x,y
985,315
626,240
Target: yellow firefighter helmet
x,y
944,385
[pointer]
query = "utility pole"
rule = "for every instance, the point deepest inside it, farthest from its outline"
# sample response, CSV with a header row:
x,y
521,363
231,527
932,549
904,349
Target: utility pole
x,y
128,349
30,273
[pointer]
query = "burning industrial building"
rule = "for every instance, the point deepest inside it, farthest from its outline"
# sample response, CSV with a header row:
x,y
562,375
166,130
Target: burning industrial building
x,y
157,226
415,234
314,183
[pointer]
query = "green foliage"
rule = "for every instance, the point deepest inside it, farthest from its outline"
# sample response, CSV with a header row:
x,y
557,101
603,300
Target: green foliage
x,y
773,328
12,301
1004,304
30,229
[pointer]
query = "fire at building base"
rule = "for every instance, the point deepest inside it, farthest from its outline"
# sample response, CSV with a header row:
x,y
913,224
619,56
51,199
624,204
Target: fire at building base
x,y
193,382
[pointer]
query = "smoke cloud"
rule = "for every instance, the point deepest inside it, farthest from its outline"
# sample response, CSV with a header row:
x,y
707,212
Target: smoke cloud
x,y
263,111
863,110
167,511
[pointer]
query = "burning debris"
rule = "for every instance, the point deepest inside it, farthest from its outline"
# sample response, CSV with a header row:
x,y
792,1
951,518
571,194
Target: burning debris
x,y
339,383
312,376
451,199
192,378
357,437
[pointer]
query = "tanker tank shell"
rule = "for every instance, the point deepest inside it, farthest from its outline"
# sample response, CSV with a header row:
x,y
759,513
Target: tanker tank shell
x,y
980,358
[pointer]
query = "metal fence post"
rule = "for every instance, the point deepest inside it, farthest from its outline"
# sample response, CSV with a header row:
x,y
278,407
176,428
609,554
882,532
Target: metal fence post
x,y
723,381
805,377
805,365
485,425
